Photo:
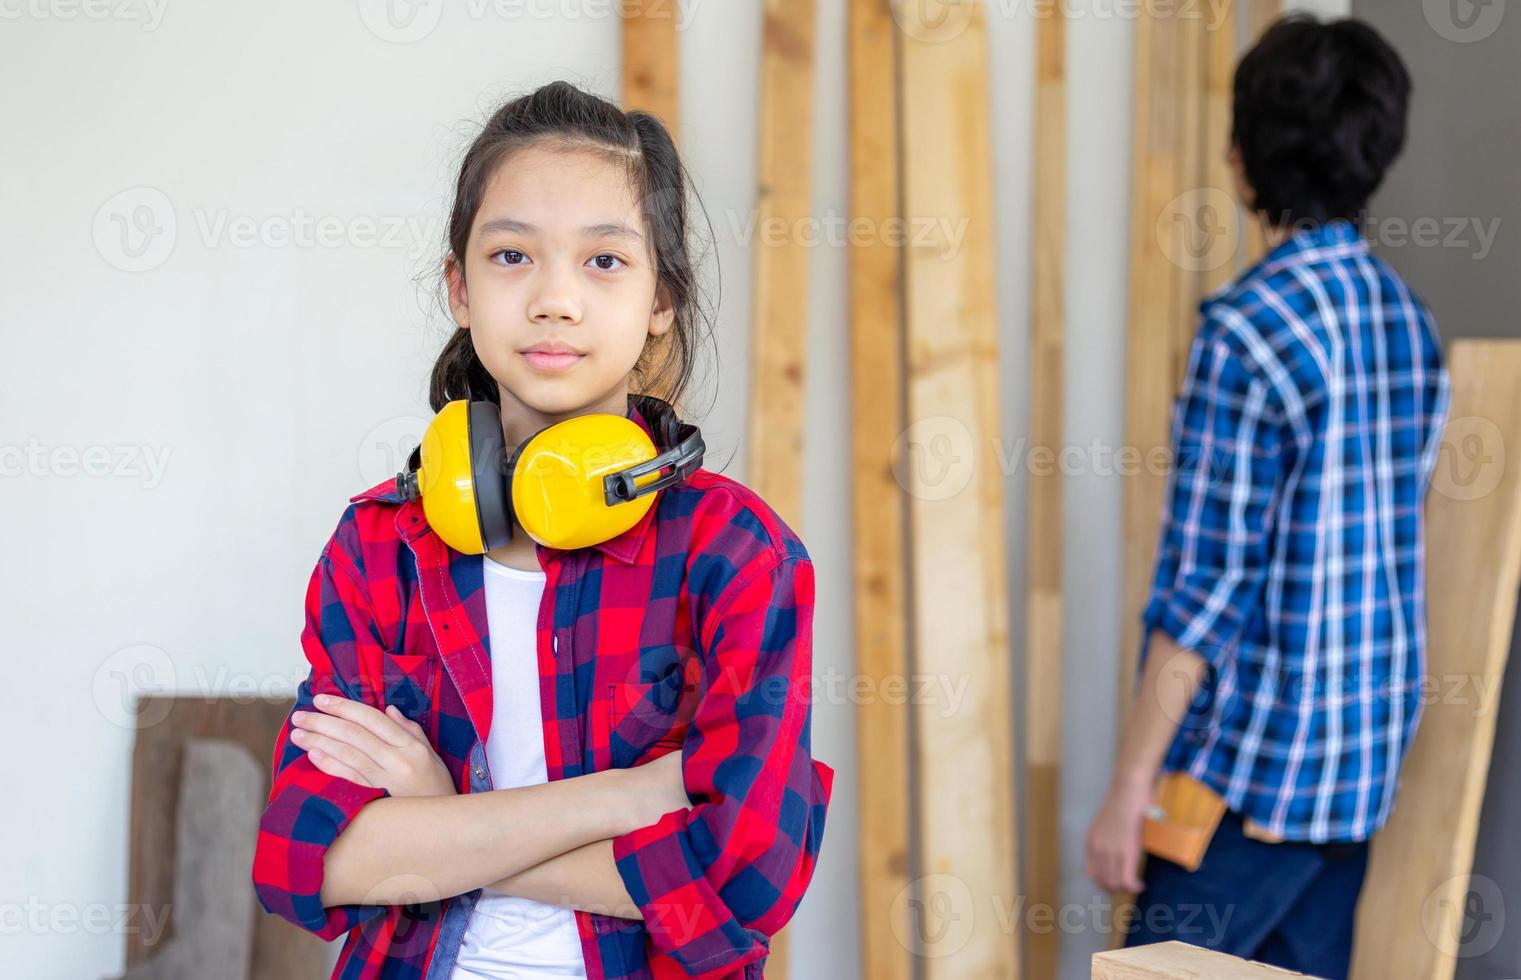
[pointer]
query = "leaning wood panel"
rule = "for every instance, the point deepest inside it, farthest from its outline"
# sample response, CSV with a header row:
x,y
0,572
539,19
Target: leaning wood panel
x,y
1150,327
1180,961
1043,639
778,327
652,60
876,375
1262,15
1218,197
165,726
1410,916
966,828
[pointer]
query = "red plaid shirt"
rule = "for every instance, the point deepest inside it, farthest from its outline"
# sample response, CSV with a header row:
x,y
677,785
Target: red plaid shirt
x,y
691,629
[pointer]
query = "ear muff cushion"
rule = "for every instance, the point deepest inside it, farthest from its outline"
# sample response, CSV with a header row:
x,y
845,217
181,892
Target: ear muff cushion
x,y
489,474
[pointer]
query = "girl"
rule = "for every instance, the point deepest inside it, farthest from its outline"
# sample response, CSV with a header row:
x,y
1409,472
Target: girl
x,y
590,762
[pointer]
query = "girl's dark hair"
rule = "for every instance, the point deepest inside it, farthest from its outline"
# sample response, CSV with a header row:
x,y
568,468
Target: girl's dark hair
x,y
1319,117
560,113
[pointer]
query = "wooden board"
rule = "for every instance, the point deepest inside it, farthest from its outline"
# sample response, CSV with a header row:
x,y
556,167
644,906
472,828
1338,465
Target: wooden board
x,y
1262,15
166,724
964,757
1151,320
876,377
1410,916
652,60
778,327
1219,195
1043,635
1180,961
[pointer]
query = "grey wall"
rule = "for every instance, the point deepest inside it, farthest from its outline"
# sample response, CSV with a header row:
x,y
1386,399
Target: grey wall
x,y
1460,170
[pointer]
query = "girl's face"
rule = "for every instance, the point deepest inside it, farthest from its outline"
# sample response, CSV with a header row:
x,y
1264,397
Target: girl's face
x,y
559,259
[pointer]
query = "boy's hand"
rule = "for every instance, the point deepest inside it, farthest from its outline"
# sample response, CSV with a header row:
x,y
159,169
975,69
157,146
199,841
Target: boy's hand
x,y
370,747
1113,844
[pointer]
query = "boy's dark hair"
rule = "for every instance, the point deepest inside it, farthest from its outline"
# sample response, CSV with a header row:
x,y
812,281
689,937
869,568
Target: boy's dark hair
x,y
1319,116
562,114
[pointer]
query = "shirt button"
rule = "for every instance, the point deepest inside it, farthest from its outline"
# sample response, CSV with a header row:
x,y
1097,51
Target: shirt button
x,y
480,773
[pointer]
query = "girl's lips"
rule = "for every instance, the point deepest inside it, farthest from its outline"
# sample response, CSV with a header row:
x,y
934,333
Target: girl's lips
x,y
550,362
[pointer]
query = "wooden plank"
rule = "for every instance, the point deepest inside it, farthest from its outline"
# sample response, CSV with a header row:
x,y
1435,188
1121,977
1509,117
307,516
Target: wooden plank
x,y
1149,331
964,758
1410,916
1043,638
165,726
652,60
778,326
1191,249
876,373
1262,15
1148,389
1220,47
1180,961
778,330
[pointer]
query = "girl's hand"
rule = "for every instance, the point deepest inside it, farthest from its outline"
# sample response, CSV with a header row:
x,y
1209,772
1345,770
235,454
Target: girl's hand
x,y
655,789
371,747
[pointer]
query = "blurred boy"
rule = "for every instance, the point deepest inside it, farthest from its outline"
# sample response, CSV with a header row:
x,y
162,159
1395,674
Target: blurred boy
x,y
1285,630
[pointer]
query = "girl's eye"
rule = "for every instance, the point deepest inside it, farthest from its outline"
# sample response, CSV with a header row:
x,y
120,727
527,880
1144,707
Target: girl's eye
x,y
610,258
514,257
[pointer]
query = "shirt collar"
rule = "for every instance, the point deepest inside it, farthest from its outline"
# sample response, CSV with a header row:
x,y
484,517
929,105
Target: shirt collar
x,y
625,547
1338,233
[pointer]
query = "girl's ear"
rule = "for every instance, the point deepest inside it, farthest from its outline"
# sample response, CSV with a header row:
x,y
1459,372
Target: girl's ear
x,y
459,299
664,314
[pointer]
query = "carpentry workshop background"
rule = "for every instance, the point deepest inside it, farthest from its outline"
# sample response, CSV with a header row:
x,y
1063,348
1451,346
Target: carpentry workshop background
x,y
962,245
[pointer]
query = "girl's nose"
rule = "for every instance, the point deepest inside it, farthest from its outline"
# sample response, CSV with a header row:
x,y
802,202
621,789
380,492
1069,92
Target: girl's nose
x,y
555,298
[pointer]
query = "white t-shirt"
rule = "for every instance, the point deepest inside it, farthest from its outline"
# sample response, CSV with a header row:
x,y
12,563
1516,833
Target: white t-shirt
x,y
509,936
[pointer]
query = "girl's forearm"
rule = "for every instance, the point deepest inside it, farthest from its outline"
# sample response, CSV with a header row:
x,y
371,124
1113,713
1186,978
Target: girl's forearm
x,y
400,850
585,878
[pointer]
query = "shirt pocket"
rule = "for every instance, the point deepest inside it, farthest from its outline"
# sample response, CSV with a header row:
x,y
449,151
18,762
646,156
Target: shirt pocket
x,y
407,681
651,708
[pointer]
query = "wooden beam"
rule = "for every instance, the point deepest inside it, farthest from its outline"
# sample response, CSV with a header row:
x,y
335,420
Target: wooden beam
x,y
1264,13
1043,638
1411,914
1180,961
1150,326
652,60
881,611
1219,194
964,757
778,327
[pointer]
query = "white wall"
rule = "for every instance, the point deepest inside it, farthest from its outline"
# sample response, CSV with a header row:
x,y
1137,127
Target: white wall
x,y
241,389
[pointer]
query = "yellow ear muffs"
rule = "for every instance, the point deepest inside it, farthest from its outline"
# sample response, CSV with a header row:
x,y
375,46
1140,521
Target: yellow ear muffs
x,y
571,485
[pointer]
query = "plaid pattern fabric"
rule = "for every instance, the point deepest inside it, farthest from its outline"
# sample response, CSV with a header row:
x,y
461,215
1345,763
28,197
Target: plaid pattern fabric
x,y
1291,552
690,631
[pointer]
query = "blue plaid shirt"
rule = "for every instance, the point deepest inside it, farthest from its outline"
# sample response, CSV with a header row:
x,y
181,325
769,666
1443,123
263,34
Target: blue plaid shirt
x,y
1291,552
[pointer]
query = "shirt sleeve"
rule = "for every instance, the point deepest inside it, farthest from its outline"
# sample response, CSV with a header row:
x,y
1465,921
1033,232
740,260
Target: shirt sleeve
x,y
1215,542
717,880
308,809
